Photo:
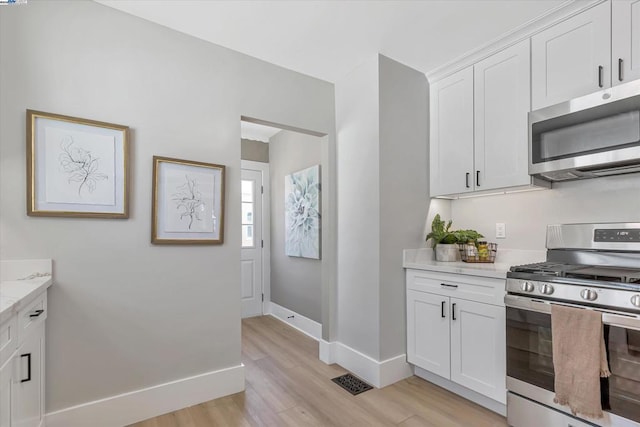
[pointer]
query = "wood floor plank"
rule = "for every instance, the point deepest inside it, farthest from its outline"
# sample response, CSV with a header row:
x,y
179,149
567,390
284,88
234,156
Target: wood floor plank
x,y
286,385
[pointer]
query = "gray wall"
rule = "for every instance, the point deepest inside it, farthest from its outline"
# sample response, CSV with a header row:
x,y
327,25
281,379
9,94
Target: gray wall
x,y
256,151
526,215
124,314
404,190
382,199
295,282
358,297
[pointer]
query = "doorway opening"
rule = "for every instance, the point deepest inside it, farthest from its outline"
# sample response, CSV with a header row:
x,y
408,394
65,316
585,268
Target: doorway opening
x,y
276,280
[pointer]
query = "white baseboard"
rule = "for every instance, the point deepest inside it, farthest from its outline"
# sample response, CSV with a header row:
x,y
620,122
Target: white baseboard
x,y
471,395
378,374
135,406
295,320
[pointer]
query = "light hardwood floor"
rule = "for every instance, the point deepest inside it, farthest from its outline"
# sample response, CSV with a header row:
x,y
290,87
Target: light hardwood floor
x,y
286,385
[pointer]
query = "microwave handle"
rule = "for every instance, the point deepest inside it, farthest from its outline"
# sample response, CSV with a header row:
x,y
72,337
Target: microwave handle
x,y
622,320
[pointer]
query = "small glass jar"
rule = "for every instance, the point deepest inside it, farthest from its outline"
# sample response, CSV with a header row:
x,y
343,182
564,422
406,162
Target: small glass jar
x,y
483,251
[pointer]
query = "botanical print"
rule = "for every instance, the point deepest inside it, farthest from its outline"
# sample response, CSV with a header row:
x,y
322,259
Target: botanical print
x,y
79,167
189,204
302,213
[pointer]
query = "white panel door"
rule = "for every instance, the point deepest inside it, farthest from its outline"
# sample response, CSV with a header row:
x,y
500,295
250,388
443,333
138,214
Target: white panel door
x,y
451,141
572,58
428,332
502,101
625,30
478,347
251,261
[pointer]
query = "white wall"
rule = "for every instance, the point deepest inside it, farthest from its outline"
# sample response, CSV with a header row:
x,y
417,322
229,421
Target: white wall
x,y
526,215
124,314
296,283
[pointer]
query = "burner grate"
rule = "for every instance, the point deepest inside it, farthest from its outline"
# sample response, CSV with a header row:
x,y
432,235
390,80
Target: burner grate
x,y
352,384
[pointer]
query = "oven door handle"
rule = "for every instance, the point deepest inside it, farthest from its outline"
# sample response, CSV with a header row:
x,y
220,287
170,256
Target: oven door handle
x,y
622,320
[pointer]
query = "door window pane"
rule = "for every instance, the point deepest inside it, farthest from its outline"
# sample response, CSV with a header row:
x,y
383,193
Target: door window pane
x,y
247,236
248,200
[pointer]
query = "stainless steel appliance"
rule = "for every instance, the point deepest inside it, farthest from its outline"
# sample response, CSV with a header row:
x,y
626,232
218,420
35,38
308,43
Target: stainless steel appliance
x,y
595,135
589,266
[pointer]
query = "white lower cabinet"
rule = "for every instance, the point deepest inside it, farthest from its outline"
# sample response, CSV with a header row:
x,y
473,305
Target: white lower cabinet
x,y
29,385
6,394
22,374
457,338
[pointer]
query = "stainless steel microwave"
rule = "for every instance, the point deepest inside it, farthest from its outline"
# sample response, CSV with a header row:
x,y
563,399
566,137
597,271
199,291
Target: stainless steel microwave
x,y
595,135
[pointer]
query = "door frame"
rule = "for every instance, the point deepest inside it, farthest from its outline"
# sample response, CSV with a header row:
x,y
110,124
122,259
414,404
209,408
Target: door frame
x,y
266,227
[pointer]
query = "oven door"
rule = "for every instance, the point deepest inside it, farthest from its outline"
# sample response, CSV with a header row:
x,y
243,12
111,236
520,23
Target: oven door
x,y
530,359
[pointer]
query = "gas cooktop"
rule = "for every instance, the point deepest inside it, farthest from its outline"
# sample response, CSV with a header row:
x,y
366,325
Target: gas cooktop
x,y
577,271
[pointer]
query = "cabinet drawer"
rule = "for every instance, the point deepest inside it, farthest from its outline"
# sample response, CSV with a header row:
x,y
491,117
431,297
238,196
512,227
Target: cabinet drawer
x,y
32,315
8,339
481,289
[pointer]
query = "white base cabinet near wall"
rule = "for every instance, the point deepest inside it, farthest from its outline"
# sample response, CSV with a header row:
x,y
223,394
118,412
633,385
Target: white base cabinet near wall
x,y
456,329
22,373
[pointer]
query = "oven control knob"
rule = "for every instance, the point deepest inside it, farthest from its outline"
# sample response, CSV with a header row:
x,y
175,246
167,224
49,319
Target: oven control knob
x,y
546,289
588,294
635,300
527,287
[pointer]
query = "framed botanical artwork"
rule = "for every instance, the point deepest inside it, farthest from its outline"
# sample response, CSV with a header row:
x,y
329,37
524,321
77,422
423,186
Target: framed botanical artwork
x,y
188,202
302,213
76,167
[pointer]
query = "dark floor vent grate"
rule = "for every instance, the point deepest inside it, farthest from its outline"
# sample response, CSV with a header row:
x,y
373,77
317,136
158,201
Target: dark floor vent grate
x,y
352,384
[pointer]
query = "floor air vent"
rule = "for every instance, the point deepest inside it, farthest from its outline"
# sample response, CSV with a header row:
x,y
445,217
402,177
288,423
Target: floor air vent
x,y
352,384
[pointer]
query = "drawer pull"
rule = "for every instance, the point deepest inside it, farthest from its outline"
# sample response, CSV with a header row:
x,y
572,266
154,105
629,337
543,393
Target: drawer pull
x,y
36,313
442,309
28,356
453,311
448,286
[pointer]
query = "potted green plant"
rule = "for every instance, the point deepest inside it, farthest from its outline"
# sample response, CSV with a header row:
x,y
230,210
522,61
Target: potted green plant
x,y
445,241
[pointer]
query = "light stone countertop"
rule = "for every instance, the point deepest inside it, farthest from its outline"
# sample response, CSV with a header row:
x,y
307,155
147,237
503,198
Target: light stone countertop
x,y
15,294
424,259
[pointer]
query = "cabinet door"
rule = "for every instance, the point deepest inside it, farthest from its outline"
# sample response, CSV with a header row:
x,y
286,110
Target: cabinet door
x,y
451,141
502,101
428,332
625,58
478,346
572,58
6,393
29,385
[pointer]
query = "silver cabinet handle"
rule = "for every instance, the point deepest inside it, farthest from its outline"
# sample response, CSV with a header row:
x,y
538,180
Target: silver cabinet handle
x,y
467,180
477,178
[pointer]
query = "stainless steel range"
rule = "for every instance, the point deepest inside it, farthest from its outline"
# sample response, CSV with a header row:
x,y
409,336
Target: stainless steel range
x,y
589,266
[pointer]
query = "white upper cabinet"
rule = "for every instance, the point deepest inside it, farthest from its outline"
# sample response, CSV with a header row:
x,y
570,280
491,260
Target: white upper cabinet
x,y
502,101
572,58
625,57
451,134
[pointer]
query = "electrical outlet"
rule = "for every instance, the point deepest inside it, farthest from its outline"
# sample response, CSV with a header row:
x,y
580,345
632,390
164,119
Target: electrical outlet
x,y
501,230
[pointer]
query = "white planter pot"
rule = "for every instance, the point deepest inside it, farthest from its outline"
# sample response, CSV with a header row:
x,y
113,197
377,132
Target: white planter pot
x,y
447,252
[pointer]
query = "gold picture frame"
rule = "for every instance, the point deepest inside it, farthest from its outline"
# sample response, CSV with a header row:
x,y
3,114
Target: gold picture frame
x,y
187,202
76,167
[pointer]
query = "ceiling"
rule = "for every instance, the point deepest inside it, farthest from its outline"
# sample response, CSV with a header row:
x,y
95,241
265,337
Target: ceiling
x,y
328,39
257,132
